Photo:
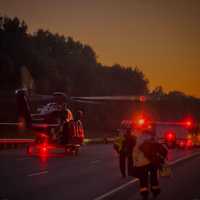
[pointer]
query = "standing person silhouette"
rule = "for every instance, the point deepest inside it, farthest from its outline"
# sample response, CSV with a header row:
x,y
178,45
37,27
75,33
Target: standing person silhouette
x,y
124,145
148,156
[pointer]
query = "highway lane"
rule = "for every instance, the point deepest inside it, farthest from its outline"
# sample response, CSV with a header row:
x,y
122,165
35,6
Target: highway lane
x,y
91,174
71,173
183,185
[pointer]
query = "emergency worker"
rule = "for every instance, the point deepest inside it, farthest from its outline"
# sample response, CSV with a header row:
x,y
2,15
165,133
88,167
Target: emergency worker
x,y
118,146
63,115
79,129
67,127
124,144
129,143
148,156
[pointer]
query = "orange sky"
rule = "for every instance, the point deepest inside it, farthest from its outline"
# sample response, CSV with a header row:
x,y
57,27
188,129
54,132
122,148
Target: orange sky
x,y
162,37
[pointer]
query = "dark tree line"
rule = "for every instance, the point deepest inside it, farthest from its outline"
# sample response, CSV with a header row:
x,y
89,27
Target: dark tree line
x,y
175,105
58,63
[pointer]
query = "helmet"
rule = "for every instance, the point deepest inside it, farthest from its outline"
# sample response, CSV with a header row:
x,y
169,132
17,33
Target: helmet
x,y
60,97
21,91
79,114
69,115
126,124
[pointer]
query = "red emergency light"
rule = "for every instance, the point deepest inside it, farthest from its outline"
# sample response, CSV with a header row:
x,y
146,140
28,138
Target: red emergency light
x,y
44,149
188,123
142,98
21,124
170,136
182,143
142,122
189,143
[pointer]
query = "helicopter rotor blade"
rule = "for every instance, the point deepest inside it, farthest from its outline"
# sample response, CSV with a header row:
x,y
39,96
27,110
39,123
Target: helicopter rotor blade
x,y
114,98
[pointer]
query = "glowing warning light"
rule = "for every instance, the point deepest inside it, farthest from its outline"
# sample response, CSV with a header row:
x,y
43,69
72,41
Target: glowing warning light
x,y
142,98
170,136
21,124
44,149
188,123
141,122
149,127
182,143
189,143
189,136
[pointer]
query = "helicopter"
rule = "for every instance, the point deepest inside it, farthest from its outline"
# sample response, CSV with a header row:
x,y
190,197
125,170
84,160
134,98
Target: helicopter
x,y
49,126
49,121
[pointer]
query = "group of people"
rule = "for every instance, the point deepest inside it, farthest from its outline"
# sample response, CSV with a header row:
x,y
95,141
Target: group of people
x,y
140,156
71,129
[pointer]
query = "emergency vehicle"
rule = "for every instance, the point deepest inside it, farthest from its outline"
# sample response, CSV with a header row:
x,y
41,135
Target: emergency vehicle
x,y
182,134
174,134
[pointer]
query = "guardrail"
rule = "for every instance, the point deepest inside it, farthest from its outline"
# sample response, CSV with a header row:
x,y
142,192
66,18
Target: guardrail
x,y
21,143
16,141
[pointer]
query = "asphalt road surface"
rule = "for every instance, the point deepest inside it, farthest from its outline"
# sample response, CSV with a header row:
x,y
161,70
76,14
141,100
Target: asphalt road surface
x,y
92,175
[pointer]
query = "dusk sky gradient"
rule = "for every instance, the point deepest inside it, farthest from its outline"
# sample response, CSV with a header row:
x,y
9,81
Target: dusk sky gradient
x,y
161,37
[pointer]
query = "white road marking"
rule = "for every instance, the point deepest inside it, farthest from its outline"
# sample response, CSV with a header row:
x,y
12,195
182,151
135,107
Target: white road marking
x,y
116,189
183,158
135,180
95,162
38,173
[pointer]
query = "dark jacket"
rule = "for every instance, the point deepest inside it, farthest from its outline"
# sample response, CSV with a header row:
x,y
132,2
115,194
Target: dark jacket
x,y
125,144
154,151
129,143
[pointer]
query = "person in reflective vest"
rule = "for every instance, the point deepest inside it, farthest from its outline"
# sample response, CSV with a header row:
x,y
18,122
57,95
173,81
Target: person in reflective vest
x,y
147,163
79,129
124,144
67,129
118,146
